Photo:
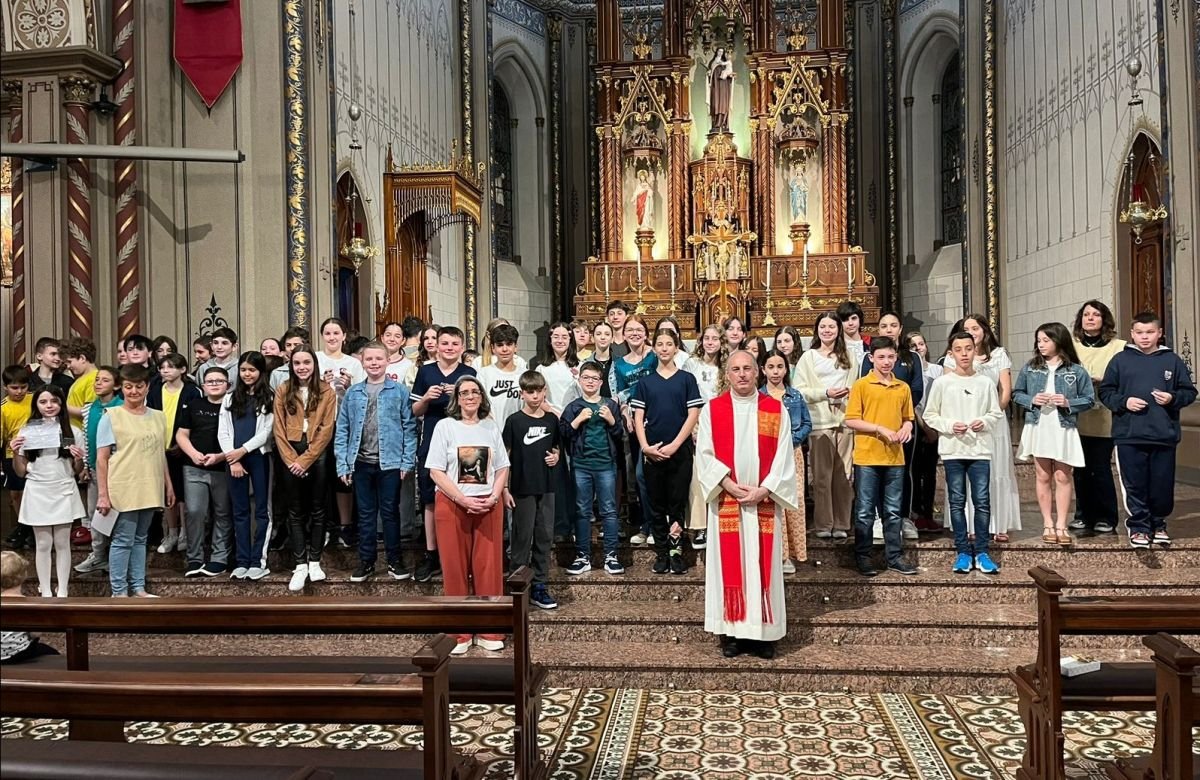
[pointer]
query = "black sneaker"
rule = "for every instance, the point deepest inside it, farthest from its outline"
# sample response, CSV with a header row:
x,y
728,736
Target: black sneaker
x,y
764,650
428,566
20,539
866,568
904,567
1105,527
398,570
677,566
194,569
364,572
661,565
542,598
212,569
700,540
347,539
279,542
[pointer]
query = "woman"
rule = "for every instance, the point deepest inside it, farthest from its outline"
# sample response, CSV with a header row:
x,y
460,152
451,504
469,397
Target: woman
x,y
735,333
623,379
992,360
305,414
469,464
1096,343
787,343
775,383
707,364
824,377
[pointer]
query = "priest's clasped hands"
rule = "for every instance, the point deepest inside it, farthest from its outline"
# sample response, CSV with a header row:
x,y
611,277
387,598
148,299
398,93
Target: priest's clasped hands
x,y
746,495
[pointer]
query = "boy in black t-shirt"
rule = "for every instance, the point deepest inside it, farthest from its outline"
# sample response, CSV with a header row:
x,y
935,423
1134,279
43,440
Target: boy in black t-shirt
x,y
205,479
532,439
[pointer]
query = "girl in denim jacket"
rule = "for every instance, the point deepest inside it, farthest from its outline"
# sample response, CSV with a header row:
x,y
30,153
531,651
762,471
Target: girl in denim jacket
x,y
1053,388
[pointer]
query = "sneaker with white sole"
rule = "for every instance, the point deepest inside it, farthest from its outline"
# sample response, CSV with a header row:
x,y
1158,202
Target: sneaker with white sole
x,y
239,573
612,565
580,565
1077,525
824,534
194,569
962,564
181,545
1105,527
299,577
788,566
541,598
910,530
1139,540
168,543
494,645
1161,538
213,569
257,573
315,572
91,563
700,540
463,646
840,535
650,540
638,539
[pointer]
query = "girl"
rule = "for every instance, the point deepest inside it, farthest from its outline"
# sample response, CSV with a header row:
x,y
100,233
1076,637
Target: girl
x,y
775,383
469,464
1095,498
339,371
1053,389
163,346
305,413
602,337
666,406
201,353
392,339
270,346
925,454
51,501
993,361
735,333
559,365
824,376
244,432
176,389
756,346
707,364
583,340
787,343
672,323
623,379
427,353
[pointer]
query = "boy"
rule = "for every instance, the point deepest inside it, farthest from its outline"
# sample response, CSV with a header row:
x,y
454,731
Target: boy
x,y
81,362
616,314
48,368
431,392
375,447
1145,386
205,478
139,351
852,316
591,429
963,406
105,390
224,353
880,412
17,646
501,380
14,413
532,439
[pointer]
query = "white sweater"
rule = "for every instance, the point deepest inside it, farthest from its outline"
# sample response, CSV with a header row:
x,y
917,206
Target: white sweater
x,y
954,398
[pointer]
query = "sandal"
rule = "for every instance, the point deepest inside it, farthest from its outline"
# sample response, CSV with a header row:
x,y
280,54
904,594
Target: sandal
x,y
1049,536
1000,538
1064,538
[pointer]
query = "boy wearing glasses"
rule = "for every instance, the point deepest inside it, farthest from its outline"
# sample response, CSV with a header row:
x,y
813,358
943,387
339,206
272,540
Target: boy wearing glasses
x,y
591,429
205,479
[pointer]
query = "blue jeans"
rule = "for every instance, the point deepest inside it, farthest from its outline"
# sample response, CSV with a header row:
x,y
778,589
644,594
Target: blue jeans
x,y
250,549
127,552
643,495
978,473
878,489
602,487
375,490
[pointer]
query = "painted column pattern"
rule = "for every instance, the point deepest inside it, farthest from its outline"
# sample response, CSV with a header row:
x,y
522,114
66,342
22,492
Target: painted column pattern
x,y
16,95
828,184
468,133
677,196
559,300
296,158
893,180
77,98
990,251
125,134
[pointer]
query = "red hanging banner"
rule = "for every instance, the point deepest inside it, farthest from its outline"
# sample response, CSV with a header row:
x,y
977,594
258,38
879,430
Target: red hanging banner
x,y
208,44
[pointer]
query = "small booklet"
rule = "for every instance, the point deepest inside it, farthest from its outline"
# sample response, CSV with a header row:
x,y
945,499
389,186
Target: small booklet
x,y
104,522
1073,666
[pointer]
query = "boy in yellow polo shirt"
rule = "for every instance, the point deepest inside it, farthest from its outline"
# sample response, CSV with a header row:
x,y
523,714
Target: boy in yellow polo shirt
x,y
880,412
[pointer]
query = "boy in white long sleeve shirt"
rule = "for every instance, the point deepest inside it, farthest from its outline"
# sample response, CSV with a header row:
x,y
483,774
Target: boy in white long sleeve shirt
x,y
963,406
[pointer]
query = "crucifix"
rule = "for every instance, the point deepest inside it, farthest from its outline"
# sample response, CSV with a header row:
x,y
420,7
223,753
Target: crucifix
x,y
716,251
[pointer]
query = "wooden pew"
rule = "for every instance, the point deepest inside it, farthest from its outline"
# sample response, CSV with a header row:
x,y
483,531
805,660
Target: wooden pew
x,y
111,698
1177,711
514,681
1043,694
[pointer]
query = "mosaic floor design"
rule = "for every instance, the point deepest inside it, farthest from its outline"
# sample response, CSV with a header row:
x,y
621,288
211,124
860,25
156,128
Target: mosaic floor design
x,y
626,734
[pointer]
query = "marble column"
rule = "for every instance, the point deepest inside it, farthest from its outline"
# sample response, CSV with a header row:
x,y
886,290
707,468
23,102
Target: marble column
x,y
77,94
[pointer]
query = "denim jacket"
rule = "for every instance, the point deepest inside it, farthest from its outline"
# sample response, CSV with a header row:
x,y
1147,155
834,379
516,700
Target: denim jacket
x,y
1072,381
397,428
797,411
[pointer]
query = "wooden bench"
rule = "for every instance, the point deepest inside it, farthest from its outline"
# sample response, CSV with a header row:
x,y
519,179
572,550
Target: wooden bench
x,y
1177,710
1044,694
514,681
97,704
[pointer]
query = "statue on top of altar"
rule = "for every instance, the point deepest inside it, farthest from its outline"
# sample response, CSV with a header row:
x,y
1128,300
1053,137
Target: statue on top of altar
x,y
643,200
720,90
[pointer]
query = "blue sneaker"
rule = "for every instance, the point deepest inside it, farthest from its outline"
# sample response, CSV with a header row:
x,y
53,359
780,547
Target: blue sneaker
x,y
962,564
985,564
542,598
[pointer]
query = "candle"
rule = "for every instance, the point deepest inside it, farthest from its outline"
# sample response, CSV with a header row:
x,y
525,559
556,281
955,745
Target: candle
x,y
768,273
849,271
672,278
639,266
806,259
606,295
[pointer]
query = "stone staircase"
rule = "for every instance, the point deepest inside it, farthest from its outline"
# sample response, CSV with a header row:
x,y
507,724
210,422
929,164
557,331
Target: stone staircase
x,y
936,632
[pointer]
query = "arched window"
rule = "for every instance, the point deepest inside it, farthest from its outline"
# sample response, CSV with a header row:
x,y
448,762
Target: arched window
x,y
953,218
502,183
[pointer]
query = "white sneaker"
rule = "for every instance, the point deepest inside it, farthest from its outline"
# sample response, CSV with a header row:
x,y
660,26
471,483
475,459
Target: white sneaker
x,y
315,572
181,545
299,577
788,566
494,645
877,531
168,543
910,530
462,647
638,538
239,573
650,540
257,573
824,534
91,563
840,534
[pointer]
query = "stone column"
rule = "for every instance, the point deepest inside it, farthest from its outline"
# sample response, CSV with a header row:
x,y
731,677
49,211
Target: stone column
x,y
558,297
77,93
762,152
16,96
545,240
124,134
910,249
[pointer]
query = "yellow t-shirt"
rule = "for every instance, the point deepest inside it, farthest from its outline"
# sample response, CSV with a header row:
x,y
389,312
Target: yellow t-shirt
x,y
170,401
82,393
13,416
889,405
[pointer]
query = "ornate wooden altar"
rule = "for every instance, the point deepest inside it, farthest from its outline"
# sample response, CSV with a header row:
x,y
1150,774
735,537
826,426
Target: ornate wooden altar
x,y
741,114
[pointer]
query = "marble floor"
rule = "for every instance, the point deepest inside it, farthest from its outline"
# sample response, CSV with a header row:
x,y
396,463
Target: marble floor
x,y
629,734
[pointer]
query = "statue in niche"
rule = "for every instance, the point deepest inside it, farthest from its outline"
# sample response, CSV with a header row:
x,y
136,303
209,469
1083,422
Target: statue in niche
x,y
797,183
643,200
720,90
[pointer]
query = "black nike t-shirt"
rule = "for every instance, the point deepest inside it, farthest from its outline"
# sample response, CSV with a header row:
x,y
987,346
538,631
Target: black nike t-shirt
x,y
201,417
528,440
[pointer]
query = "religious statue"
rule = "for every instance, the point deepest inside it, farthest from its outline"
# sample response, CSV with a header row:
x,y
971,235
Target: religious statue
x,y
720,90
797,183
643,200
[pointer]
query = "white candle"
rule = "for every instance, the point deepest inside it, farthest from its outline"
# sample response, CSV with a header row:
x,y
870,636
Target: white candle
x,y
672,278
768,273
639,265
849,271
606,295
806,258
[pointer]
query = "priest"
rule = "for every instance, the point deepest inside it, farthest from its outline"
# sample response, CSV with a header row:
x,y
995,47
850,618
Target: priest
x,y
747,475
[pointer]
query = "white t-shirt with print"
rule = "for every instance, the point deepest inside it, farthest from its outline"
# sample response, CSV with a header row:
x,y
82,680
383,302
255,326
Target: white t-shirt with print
x,y
469,454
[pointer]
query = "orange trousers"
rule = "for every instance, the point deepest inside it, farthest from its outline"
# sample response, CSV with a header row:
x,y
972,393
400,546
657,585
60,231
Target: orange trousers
x,y
470,545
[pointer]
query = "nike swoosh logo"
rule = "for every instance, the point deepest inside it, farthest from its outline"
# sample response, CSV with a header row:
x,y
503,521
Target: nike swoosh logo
x,y
535,436
496,392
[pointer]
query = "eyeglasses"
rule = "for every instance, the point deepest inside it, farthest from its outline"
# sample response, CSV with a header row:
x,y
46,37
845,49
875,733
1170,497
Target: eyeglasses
x,y
589,378
469,393
216,381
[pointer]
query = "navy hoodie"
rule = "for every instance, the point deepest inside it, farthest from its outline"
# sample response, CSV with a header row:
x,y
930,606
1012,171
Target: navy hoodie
x,y
1133,373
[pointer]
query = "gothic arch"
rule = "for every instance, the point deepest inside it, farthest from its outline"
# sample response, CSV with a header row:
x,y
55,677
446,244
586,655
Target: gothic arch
x,y
1142,276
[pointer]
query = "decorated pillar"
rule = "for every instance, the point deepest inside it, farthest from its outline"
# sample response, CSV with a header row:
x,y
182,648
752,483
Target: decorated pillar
x,y
559,298
77,98
470,264
296,159
125,134
610,193
763,154
16,97
677,185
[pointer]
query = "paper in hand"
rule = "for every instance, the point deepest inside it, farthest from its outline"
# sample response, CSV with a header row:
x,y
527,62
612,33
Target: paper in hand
x,y
39,436
104,522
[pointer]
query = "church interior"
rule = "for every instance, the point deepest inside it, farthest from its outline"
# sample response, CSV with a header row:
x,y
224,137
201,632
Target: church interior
x,y
259,166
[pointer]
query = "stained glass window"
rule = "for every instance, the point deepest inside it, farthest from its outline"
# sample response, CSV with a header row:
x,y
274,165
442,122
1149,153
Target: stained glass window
x,y
953,216
502,184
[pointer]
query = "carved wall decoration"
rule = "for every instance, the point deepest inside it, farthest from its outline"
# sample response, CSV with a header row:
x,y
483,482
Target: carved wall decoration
x,y
41,24
212,318
296,159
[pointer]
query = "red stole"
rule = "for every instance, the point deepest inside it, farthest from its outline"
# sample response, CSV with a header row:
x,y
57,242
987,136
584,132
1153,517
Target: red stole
x,y
729,510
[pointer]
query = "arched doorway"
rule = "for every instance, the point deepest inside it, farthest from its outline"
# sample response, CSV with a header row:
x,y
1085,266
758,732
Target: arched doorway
x,y
351,223
1144,275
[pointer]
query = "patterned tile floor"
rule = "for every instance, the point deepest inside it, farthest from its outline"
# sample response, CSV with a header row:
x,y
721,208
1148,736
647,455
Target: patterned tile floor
x,y
626,734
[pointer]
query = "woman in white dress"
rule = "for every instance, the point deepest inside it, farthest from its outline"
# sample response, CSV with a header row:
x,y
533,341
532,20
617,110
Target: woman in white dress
x,y
994,363
1053,388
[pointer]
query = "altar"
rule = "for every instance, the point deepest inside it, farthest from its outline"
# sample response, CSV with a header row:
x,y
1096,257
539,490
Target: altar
x,y
722,167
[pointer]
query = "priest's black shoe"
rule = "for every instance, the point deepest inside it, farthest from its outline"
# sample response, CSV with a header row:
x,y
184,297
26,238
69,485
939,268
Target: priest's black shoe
x,y
765,650
866,568
730,648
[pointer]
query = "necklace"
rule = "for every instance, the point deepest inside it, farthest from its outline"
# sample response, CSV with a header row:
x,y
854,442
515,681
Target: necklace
x,y
1093,341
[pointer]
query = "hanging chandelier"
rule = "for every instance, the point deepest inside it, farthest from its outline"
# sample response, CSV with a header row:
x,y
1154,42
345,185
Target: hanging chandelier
x,y
1141,208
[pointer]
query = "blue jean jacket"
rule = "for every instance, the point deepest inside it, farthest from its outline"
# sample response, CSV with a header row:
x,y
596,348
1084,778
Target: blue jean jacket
x,y
1072,382
397,428
797,410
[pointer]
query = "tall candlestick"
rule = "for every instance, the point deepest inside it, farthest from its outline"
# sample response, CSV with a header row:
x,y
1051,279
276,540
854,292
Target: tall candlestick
x,y
850,272
672,278
768,273
607,297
